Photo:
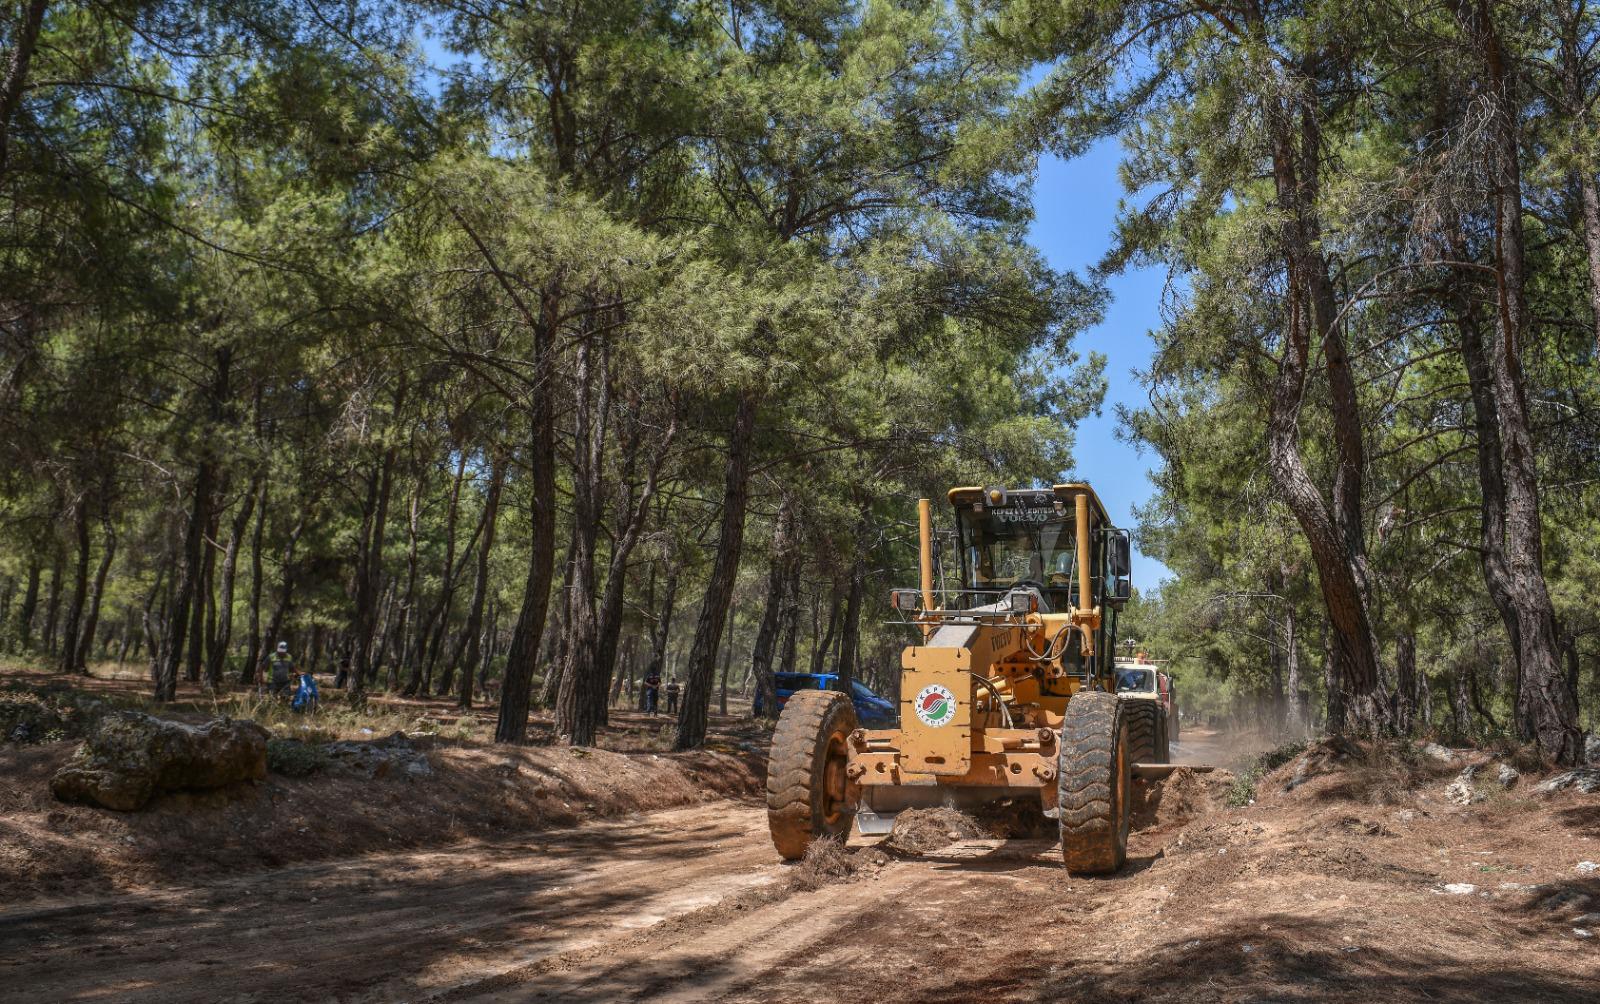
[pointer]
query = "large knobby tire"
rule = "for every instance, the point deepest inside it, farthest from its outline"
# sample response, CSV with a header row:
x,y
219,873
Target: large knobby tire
x,y
806,771
1094,773
1147,731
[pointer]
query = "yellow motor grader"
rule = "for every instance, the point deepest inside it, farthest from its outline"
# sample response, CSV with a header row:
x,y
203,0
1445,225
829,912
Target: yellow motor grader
x,y
1010,695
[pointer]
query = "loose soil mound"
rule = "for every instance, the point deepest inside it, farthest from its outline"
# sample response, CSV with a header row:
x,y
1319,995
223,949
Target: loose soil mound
x,y
923,831
1180,797
51,848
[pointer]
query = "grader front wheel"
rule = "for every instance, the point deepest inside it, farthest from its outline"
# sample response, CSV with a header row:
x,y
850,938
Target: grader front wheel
x,y
1094,775
806,782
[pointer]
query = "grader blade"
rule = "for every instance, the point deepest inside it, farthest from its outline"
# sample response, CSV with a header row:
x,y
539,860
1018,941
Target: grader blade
x,y
1161,771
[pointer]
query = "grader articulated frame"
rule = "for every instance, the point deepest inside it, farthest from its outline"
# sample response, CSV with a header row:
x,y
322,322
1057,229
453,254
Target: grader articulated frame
x,y
1010,694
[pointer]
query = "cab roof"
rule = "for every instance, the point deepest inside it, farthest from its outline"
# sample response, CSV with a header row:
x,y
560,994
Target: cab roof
x,y
1064,492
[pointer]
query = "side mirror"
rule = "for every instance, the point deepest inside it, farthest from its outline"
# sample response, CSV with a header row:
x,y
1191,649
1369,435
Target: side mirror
x,y
1121,555
1121,590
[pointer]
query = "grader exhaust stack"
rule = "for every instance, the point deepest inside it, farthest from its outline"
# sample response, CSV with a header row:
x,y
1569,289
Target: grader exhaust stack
x,y
1010,695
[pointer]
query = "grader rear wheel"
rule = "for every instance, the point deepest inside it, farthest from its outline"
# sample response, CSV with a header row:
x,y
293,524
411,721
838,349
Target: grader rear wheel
x,y
1094,775
806,771
1147,731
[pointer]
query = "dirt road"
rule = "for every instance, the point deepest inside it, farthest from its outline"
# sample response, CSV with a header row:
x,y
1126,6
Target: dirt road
x,y
691,905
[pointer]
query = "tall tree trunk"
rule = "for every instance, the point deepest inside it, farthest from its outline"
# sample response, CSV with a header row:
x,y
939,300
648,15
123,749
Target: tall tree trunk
x,y
1337,718
1291,646
24,39
280,610
467,657
490,646
727,662
767,630
1332,539
408,608
247,673
823,645
791,622
850,631
30,603
658,639
370,568
80,589
1491,478
1547,713
421,666
52,604
108,550
636,514
1572,49
230,564
580,703
512,722
555,661
186,587
719,590
1405,690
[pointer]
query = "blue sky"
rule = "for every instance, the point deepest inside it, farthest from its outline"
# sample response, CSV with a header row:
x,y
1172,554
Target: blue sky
x,y
1075,205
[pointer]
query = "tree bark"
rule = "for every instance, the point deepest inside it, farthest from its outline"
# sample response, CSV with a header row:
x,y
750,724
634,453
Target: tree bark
x,y
850,637
580,702
80,589
421,665
467,658
369,568
821,646
767,631
52,603
719,590
1547,714
285,586
1291,646
1405,690
247,673
1331,538
25,39
658,639
512,722
30,604
610,625
187,585
91,624
230,564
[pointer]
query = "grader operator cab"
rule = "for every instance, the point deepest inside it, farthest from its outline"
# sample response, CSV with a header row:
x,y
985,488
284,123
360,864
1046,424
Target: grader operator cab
x,y
1010,694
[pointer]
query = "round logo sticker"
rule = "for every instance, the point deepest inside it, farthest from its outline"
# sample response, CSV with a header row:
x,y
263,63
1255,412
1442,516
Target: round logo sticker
x,y
935,705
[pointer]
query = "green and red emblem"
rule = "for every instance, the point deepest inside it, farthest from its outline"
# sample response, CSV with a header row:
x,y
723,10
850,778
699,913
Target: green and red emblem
x,y
935,705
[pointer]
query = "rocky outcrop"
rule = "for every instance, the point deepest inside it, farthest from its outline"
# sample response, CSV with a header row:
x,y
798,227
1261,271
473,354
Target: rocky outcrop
x,y
129,757
1584,779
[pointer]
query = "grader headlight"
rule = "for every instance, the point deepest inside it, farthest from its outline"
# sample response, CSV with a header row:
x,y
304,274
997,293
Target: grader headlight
x,y
1024,601
908,600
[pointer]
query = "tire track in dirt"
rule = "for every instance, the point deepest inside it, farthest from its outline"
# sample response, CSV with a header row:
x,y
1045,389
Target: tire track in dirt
x,y
385,927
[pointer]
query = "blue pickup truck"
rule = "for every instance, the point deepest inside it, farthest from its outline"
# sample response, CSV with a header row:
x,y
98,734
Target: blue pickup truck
x,y
870,708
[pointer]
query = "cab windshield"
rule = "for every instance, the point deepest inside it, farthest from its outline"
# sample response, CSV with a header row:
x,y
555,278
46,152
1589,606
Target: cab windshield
x,y
1138,681
1015,545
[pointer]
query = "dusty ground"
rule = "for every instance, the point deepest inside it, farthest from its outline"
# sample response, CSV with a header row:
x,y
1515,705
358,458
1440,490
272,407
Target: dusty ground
x,y
1334,891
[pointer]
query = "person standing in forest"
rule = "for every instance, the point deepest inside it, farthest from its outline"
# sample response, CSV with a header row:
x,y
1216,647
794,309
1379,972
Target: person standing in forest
x,y
342,677
652,692
674,688
280,670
